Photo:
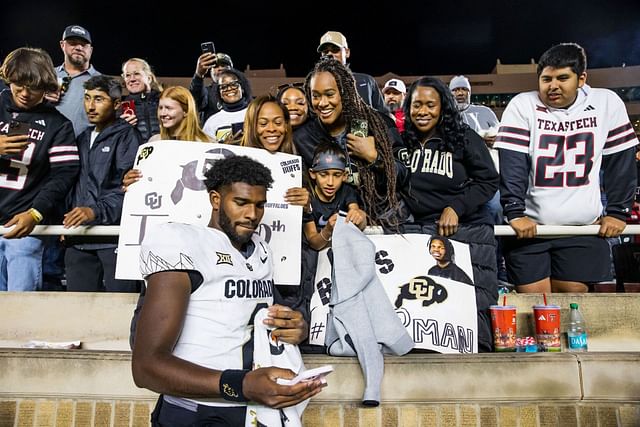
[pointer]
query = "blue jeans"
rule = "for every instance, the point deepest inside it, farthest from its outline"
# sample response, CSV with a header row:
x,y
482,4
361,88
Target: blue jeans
x,y
21,264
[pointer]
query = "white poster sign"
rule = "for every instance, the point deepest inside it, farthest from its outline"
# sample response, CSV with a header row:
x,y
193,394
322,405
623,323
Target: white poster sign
x,y
172,189
437,311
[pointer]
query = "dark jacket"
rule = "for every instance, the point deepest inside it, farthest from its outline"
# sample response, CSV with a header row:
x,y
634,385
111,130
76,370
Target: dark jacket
x,y
146,113
206,97
42,175
432,179
370,92
102,168
307,136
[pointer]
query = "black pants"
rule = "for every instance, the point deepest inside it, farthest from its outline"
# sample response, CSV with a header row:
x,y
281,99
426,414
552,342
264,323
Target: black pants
x,y
168,415
86,270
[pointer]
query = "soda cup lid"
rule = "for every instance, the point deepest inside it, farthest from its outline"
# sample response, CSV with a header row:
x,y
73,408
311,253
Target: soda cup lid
x,y
546,307
502,307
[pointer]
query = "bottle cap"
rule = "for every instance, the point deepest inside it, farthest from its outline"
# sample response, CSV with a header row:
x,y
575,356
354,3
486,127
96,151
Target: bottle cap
x,y
573,305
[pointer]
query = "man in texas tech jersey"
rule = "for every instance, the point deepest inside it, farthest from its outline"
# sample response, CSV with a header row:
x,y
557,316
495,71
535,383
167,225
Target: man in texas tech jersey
x,y
38,165
194,341
555,145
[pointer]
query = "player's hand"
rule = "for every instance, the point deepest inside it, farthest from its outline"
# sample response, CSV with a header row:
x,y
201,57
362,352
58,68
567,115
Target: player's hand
x,y
205,62
260,386
12,145
448,222
356,216
298,196
610,226
362,147
525,227
132,175
78,216
23,225
132,119
290,325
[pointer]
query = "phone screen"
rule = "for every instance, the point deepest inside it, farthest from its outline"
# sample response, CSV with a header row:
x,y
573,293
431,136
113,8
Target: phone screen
x,y
207,47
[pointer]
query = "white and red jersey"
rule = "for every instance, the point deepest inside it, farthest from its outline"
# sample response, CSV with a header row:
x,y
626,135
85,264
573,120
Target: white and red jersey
x,y
218,326
565,149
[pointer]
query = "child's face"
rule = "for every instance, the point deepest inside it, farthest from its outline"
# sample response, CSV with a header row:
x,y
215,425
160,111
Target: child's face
x,y
328,182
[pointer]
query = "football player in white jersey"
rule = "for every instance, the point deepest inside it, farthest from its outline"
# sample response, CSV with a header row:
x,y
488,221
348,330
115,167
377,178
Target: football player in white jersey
x,y
204,285
560,147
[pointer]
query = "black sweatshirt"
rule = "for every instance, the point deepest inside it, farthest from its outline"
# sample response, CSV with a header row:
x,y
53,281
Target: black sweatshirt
x,y
44,173
431,179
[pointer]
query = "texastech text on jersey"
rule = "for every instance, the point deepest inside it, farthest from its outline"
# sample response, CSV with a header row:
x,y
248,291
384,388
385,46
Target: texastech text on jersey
x,y
42,175
218,327
566,149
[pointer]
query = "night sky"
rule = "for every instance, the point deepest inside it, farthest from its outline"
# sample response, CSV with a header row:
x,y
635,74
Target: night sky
x,y
407,38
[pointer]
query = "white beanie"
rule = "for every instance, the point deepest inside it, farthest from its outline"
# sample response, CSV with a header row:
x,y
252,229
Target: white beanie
x,y
459,81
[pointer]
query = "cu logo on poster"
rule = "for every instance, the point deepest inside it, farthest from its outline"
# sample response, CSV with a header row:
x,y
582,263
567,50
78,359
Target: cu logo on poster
x,y
438,313
172,189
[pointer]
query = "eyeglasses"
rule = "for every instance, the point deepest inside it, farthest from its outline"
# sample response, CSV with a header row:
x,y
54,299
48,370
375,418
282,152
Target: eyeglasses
x,y
64,86
129,76
20,88
229,86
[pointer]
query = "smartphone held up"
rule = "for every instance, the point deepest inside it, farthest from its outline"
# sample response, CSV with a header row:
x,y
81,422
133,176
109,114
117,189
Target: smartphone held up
x,y
128,107
208,47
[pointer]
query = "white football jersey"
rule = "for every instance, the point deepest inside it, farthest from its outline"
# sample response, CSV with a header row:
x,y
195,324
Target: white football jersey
x,y
565,148
218,327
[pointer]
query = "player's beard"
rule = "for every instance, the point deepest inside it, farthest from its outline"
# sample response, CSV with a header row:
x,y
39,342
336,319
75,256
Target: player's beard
x,y
227,227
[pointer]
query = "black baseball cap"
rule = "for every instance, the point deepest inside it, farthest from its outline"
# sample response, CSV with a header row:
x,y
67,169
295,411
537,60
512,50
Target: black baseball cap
x,y
76,31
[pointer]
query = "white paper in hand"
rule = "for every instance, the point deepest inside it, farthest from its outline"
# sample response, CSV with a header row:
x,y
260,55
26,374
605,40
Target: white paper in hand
x,y
308,375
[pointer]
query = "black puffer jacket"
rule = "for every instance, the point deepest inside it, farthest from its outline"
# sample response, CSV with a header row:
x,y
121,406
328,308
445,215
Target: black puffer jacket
x,y
102,167
147,113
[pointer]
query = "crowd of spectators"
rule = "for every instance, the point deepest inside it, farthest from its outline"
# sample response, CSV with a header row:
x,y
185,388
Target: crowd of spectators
x,y
411,159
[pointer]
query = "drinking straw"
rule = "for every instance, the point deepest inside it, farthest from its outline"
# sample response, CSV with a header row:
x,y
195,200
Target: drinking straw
x,y
504,299
544,297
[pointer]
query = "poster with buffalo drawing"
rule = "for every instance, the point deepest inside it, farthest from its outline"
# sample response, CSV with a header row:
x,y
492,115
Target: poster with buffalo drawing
x,y
172,189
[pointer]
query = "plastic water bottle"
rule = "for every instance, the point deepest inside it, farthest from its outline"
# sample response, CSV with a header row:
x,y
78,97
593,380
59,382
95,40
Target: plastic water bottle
x,y
577,332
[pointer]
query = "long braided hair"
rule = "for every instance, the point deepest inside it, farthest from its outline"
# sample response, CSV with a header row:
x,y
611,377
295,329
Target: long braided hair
x,y
380,200
450,128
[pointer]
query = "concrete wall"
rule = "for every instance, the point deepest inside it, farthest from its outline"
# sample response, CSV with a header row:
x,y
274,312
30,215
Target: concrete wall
x,y
94,386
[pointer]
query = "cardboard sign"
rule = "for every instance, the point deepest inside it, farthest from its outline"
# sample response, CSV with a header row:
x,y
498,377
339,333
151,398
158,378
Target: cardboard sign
x,y
438,312
172,189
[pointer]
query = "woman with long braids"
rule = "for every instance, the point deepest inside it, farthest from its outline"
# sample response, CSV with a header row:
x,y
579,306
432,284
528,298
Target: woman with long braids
x,y
446,179
340,112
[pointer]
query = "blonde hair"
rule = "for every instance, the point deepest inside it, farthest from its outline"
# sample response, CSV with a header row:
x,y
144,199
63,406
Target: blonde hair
x,y
153,81
189,128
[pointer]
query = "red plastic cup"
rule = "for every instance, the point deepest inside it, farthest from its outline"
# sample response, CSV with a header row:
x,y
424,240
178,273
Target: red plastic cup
x,y
547,319
503,323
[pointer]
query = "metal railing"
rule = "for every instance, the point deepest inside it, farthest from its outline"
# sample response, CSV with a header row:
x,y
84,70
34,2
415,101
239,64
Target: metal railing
x,y
500,230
